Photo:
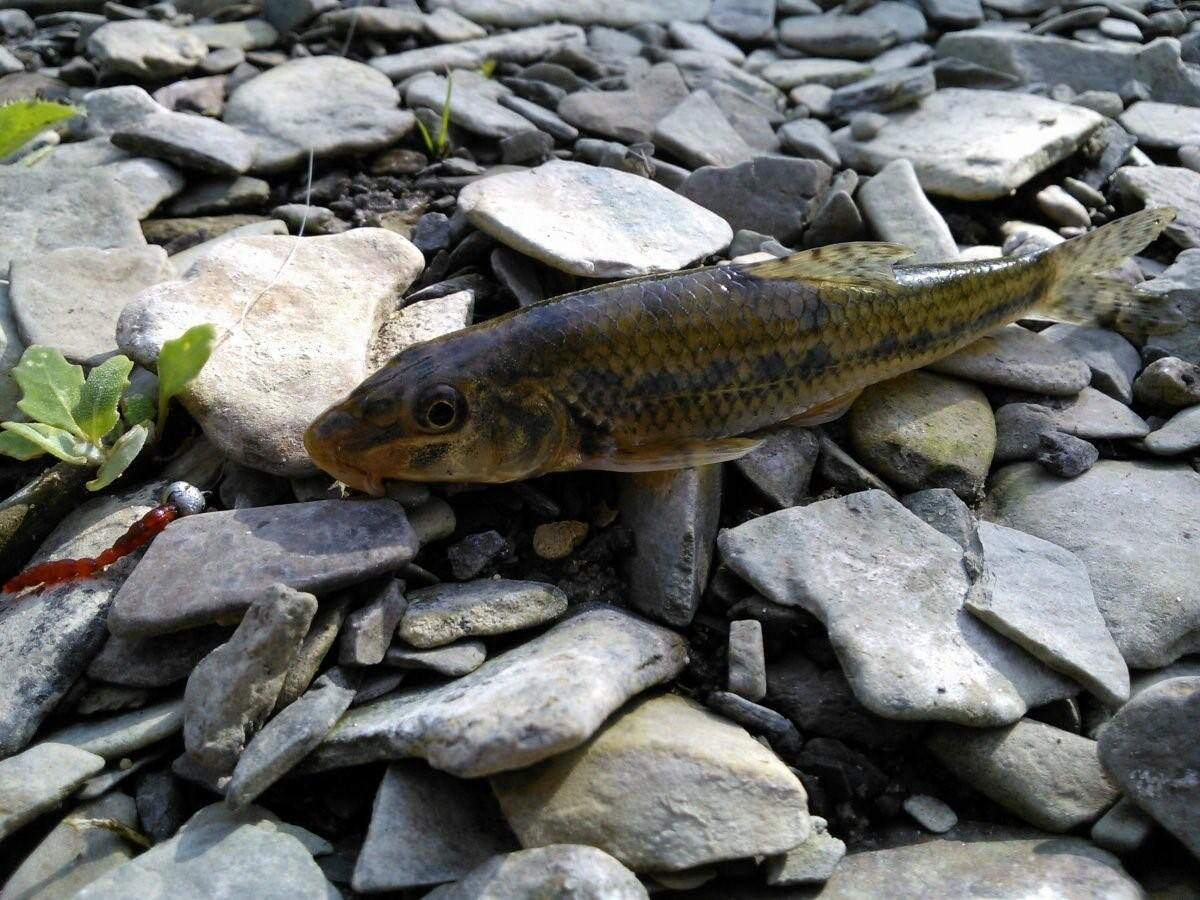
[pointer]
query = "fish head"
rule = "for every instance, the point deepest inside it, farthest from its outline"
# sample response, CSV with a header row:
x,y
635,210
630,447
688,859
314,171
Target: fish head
x,y
432,417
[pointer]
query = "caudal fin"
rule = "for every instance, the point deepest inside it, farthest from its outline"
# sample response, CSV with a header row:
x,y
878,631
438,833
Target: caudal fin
x,y
1084,296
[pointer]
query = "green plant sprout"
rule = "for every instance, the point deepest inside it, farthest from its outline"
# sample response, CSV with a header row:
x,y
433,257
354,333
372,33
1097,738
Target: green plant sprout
x,y
487,68
79,420
438,146
22,119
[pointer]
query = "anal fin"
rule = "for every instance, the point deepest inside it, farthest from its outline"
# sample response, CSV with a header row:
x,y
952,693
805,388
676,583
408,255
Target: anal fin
x,y
674,455
820,413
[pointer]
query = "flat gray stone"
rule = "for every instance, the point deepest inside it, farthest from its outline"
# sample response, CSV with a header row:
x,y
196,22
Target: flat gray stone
x,y
1180,285
622,792
71,298
1004,867
1144,573
290,735
1091,415
1084,67
1123,829
811,139
420,321
789,73
896,208
107,110
694,36
1166,186
1180,434
697,133
1038,595
1150,749
71,856
742,20
591,221
922,430
246,34
444,613
328,104
772,195
470,109
453,660
944,510
782,466
674,517
428,828
930,813
812,862
189,141
629,115
220,195
368,631
1113,360
974,144
890,590
211,567
231,691
556,871
149,182
154,661
519,13
541,698
46,211
706,72
1017,358
1170,125
287,353
1049,777
47,638
38,779
220,853
123,735
888,90
144,49
838,36
747,675
526,45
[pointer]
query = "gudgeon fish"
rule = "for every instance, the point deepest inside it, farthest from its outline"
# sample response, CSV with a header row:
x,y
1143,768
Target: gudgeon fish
x,y
689,368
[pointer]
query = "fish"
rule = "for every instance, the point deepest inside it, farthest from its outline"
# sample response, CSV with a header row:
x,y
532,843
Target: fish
x,y
694,367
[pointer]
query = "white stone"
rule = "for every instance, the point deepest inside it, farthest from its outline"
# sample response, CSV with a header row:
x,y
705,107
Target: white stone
x,y
294,331
596,222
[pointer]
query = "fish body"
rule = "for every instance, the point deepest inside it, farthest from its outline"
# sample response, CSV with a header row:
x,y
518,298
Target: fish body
x,y
683,369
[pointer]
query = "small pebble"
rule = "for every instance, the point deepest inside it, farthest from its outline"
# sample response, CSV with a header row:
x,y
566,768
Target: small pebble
x,y
557,540
747,666
865,125
930,813
1065,454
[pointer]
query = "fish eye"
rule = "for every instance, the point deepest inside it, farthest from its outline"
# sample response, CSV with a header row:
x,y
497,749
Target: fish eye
x,y
439,408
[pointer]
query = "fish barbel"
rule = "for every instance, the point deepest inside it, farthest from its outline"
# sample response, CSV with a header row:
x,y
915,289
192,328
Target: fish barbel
x,y
683,369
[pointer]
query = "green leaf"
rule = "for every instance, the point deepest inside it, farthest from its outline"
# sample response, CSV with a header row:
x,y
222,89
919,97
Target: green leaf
x,y
96,414
427,138
51,388
123,452
23,119
12,444
180,361
54,441
443,137
487,68
138,408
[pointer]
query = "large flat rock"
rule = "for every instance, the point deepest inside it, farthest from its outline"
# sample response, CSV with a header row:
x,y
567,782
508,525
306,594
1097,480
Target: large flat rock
x,y
537,700
211,567
624,790
1132,524
525,45
328,104
1108,66
601,223
974,144
890,589
620,14
295,319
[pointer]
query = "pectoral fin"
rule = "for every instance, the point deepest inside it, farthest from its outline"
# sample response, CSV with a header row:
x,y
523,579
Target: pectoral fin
x,y
821,413
862,264
675,455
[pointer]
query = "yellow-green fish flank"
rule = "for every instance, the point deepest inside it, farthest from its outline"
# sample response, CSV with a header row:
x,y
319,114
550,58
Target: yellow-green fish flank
x,y
686,368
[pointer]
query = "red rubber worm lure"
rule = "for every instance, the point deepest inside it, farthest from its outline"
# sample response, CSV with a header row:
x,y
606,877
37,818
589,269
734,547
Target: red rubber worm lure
x,y
177,499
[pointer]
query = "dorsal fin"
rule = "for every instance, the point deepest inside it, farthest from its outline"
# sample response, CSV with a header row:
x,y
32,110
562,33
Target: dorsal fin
x,y
860,264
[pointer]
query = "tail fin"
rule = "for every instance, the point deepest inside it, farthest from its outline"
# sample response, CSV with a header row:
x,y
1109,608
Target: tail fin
x,y
1083,296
